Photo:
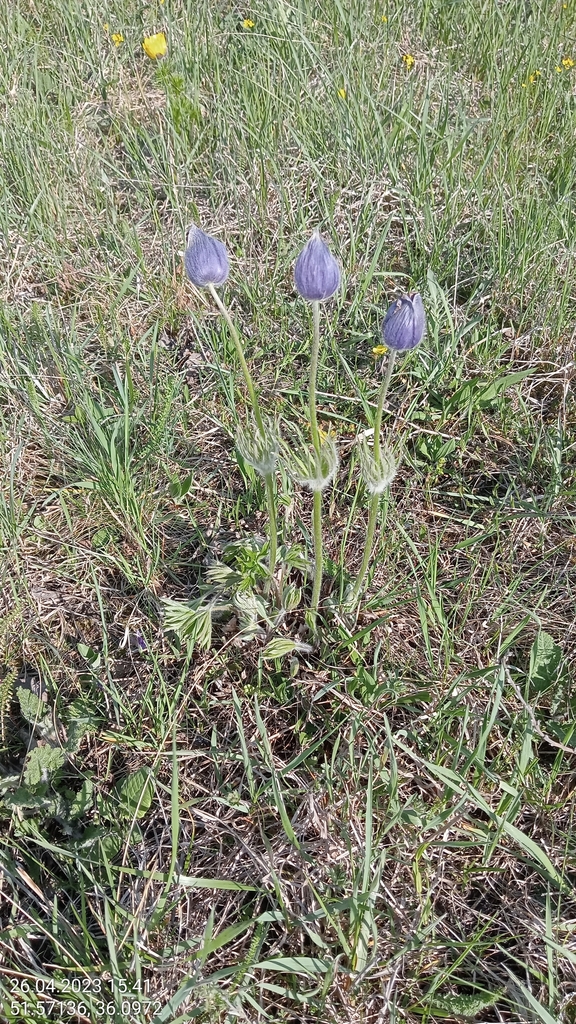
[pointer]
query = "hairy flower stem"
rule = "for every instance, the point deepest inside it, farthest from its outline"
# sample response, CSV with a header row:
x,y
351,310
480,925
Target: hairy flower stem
x,y
271,501
317,508
375,502
269,477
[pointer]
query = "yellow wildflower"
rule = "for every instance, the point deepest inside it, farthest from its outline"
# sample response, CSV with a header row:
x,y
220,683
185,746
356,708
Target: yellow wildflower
x,y
342,94
567,62
379,350
106,26
248,23
117,38
532,78
384,18
408,60
155,46
558,69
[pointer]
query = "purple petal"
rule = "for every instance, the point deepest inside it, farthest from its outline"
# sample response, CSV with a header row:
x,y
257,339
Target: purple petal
x,y
205,259
404,323
316,274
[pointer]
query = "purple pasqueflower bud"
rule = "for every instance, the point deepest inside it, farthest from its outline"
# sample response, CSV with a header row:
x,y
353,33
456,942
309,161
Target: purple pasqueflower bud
x,y
316,274
205,259
404,323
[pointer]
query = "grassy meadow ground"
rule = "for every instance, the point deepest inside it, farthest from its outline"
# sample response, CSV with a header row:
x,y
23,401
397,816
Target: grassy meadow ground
x,y
380,828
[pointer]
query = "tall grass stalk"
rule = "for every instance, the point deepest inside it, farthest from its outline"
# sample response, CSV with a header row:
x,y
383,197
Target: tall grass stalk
x,y
375,501
269,477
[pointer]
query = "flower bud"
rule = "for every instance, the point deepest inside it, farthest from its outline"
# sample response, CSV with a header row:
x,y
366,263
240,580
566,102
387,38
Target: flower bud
x,y
404,323
259,450
311,470
377,475
316,274
205,259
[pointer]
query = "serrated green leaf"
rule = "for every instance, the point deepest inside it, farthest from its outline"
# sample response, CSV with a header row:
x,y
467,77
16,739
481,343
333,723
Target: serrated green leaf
x,y
81,718
135,794
32,708
41,763
463,1005
28,800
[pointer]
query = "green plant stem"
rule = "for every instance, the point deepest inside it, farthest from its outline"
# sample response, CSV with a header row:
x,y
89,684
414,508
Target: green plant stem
x,y
269,477
381,399
240,353
375,502
318,559
271,501
317,507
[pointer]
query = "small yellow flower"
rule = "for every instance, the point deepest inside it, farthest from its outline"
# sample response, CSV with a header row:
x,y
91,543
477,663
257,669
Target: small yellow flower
x,y
384,18
379,350
558,69
248,23
342,94
532,78
117,38
106,26
567,62
409,60
155,46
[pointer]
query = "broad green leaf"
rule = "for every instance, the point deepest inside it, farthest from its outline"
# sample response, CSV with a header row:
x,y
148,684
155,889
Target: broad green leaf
x,y
291,597
463,1005
135,794
102,538
32,708
41,763
89,655
488,396
545,661
82,801
278,648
